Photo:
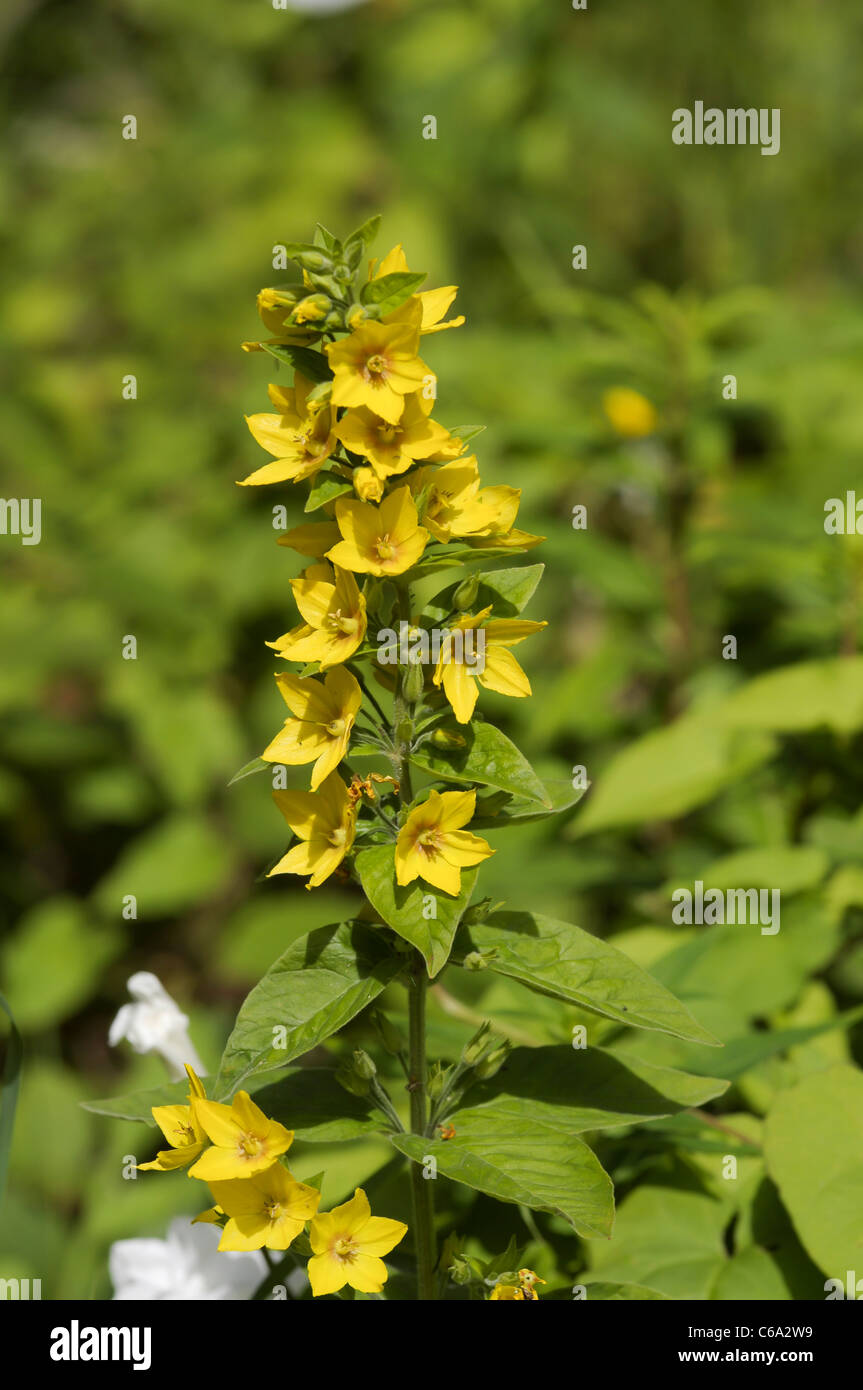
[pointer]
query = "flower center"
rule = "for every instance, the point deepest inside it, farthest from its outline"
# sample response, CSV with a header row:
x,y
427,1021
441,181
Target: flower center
x,y
272,1209
343,1249
387,433
384,549
249,1146
184,1134
428,841
339,837
336,728
337,622
376,365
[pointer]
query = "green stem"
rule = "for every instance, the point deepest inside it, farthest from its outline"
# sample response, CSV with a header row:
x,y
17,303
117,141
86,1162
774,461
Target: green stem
x,y
423,1197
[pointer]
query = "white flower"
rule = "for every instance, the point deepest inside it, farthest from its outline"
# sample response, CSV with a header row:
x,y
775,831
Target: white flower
x,y
156,1023
318,6
186,1265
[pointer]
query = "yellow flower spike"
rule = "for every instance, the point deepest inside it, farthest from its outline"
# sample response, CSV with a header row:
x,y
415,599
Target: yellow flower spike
x,y
182,1130
244,1140
392,449
348,1243
300,436
324,822
325,712
630,414
500,671
312,539
269,1209
335,618
433,846
379,540
377,366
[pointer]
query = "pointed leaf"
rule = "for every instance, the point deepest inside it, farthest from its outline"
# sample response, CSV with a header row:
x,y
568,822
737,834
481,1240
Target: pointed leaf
x,y
565,962
317,986
403,908
525,1162
487,757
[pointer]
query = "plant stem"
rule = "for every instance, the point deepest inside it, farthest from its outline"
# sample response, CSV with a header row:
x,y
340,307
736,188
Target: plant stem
x,y
423,1197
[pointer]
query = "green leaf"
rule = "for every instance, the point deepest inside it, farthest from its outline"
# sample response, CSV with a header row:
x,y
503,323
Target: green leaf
x,y
249,769
601,1292
403,908
327,487
388,292
508,590
670,771
366,232
576,1089
310,364
466,432
10,1085
488,757
521,1161
808,695
666,1240
317,986
565,962
563,798
813,1144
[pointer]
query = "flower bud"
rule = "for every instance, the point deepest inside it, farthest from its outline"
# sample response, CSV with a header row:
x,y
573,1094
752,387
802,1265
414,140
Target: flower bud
x,y
491,1065
355,315
465,595
413,683
473,1050
351,1082
460,1271
434,1081
476,960
364,1066
311,309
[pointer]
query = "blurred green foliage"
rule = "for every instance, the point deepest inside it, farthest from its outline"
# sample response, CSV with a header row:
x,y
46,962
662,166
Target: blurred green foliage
x,y
143,257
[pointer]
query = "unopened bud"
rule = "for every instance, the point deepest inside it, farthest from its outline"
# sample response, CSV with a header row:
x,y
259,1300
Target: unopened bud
x,y
473,1050
435,1080
311,309
364,1066
413,683
460,1271
465,595
491,1065
351,1082
355,315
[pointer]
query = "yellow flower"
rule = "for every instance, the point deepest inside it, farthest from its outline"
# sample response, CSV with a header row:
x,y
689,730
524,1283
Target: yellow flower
x,y
348,1243
300,436
275,307
630,413
313,538
433,303
522,1292
377,366
325,714
182,1130
325,823
244,1140
432,844
379,540
500,670
393,448
456,505
268,1209
335,618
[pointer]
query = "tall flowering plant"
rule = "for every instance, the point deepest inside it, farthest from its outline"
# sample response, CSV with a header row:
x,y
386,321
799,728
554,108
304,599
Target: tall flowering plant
x,y
409,607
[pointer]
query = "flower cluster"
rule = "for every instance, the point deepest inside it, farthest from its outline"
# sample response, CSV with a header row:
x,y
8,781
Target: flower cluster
x,y
400,498
239,1152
